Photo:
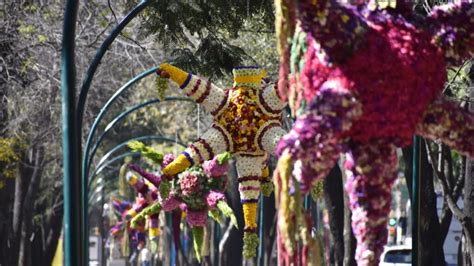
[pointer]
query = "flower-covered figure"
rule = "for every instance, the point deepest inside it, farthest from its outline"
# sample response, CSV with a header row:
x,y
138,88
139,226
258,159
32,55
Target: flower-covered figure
x,y
130,237
363,80
198,191
247,123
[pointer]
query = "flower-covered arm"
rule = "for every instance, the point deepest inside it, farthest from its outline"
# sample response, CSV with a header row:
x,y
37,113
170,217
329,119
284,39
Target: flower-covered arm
x,y
212,142
337,28
141,187
211,97
270,100
137,207
446,121
150,210
453,30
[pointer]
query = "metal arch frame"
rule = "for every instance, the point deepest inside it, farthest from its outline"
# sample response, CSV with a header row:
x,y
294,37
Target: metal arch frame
x,y
102,112
141,138
76,248
87,162
104,163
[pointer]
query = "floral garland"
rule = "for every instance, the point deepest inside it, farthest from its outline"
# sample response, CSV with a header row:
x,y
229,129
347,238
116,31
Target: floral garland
x,y
363,80
247,123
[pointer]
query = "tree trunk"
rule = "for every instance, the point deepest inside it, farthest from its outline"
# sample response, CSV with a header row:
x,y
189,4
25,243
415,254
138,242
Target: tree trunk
x,y
431,245
53,234
468,247
334,199
28,209
349,238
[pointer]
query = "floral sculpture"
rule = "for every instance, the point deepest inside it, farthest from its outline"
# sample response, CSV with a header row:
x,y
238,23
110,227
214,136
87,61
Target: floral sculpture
x,y
362,81
123,230
247,123
198,191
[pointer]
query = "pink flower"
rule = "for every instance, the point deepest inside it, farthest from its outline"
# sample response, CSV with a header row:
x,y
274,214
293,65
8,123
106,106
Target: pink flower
x,y
212,168
189,184
167,160
196,218
170,203
213,197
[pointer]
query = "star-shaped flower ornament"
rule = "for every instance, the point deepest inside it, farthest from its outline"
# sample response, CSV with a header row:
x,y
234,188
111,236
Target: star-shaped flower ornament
x,y
247,123
362,81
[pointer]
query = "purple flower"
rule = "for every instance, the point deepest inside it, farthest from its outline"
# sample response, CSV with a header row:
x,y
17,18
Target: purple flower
x,y
154,179
170,203
213,197
196,218
167,160
213,168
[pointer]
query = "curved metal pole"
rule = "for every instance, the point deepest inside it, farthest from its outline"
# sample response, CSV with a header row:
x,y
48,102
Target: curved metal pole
x,y
102,112
113,160
101,52
142,138
103,161
73,253
123,115
82,102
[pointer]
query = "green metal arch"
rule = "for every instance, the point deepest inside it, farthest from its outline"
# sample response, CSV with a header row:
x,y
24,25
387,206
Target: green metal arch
x,y
120,117
100,54
141,138
103,163
102,112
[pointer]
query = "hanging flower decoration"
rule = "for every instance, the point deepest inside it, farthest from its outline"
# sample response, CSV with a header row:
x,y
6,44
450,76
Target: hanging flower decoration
x,y
363,80
122,229
247,123
198,192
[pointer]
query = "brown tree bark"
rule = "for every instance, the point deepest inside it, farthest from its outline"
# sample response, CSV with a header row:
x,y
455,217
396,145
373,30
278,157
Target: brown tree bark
x,y
468,244
28,208
431,245
349,238
334,199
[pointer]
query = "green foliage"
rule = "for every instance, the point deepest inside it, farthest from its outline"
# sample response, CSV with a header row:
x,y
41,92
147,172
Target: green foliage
x,y
9,156
165,188
458,81
227,212
26,29
198,33
146,151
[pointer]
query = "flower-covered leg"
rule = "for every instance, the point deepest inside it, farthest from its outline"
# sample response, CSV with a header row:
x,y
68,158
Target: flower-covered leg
x,y
249,171
451,26
214,141
371,170
315,141
454,126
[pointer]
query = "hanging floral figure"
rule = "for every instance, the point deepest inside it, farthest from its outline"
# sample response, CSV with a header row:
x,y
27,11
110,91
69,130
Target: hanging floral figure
x,y
148,192
119,207
247,123
362,81
198,191
130,237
